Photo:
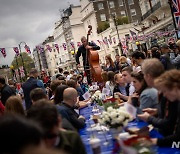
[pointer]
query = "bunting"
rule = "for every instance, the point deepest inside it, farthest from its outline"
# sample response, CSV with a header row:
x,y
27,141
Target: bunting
x,y
49,48
40,48
16,50
124,47
3,51
72,45
22,71
27,49
114,40
78,44
107,41
64,46
17,72
57,47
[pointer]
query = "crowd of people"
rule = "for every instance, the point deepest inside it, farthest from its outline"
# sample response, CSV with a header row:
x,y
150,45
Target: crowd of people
x,y
49,117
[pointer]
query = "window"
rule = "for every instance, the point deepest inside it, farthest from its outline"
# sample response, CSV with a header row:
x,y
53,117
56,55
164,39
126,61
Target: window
x,y
120,2
100,6
103,17
111,4
130,2
133,12
123,13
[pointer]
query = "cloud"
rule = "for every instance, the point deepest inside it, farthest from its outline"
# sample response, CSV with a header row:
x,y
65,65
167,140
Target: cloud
x,y
31,21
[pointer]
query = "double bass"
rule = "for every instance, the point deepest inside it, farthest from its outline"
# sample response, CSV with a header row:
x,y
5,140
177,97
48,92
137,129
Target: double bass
x,y
92,57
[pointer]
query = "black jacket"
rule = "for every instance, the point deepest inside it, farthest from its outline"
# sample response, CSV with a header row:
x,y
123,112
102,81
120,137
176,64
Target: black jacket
x,y
165,124
6,92
82,51
70,114
168,141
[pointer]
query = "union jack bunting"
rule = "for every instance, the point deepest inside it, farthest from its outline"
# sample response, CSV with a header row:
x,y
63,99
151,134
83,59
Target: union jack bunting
x,y
16,50
110,41
57,47
22,71
48,47
114,40
176,11
3,51
17,72
64,46
40,48
99,42
78,44
27,49
124,47
72,45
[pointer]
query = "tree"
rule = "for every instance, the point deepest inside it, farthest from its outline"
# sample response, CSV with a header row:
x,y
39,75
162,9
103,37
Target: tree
x,y
28,62
102,26
122,20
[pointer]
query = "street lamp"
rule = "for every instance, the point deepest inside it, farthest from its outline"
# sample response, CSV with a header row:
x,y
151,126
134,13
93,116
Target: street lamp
x,y
22,57
115,23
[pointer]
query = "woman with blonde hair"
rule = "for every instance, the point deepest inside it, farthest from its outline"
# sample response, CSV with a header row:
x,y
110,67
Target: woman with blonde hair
x,y
14,106
123,62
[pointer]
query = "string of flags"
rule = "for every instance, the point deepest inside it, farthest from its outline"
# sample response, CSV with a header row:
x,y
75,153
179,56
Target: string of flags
x,y
106,41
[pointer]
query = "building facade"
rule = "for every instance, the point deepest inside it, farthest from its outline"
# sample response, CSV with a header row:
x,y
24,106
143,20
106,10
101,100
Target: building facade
x,y
156,17
68,31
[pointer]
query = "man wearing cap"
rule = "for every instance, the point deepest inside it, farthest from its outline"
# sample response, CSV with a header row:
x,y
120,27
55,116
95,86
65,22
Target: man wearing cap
x,y
165,58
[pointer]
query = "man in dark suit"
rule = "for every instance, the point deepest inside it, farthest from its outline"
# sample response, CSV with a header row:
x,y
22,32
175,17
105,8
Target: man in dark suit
x,y
6,90
31,84
67,111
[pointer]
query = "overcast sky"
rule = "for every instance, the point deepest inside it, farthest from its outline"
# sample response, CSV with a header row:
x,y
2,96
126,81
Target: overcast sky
x,y
31,21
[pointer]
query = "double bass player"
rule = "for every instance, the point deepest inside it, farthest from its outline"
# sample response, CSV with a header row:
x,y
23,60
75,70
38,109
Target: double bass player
x,y
82,50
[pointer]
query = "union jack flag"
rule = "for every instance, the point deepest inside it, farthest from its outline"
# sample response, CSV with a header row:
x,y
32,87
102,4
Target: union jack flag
x,y
114,40
48,47
57,47
124,47
64,46
17,72
16,50
40,48
22,71
176,11
3,51
78,44
27,49
72,45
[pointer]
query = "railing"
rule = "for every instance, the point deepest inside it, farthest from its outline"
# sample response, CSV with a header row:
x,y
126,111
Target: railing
x,y
149,12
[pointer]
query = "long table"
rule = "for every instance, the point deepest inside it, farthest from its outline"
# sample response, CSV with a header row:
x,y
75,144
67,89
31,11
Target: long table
x,y
106,138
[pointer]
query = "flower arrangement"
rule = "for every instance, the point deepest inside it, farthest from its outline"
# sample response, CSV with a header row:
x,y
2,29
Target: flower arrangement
x,y
98,97
115,118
